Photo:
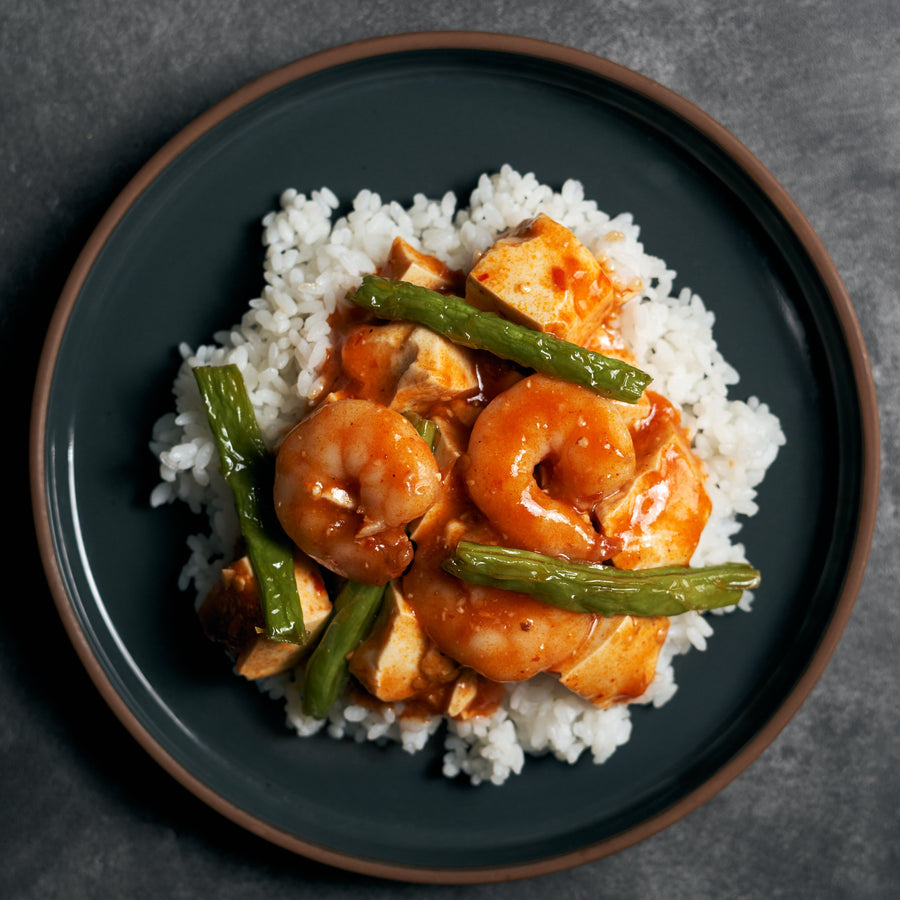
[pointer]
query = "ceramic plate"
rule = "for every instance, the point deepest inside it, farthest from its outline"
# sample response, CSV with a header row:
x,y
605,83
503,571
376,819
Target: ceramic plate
x,y
178,256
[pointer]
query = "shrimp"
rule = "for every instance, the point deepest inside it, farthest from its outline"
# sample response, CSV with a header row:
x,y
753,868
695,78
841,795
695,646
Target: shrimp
x,y
542,455
505,636
502,635
348,479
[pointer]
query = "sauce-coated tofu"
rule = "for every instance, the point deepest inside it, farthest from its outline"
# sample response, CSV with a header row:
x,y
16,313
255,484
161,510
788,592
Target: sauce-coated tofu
x,y
541,276
618,661
405,263
407,367
398,660
660,516
231,615
374,357
463,693
440,370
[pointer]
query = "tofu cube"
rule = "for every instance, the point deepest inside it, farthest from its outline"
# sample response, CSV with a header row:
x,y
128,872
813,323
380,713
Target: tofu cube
x,y
373,358
660,516
405,263
231,615
405,366
398,660
618,661
541,276
439,370
462,694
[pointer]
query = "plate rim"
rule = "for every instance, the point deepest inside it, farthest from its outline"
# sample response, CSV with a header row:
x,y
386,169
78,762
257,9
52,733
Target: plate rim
x,y
658,94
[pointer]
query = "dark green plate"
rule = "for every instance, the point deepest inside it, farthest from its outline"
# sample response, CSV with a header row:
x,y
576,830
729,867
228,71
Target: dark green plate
x,y
179,255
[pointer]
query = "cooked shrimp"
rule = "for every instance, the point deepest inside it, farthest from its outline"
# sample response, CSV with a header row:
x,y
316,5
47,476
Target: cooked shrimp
x,y
503,635
507,636
542,455
348,479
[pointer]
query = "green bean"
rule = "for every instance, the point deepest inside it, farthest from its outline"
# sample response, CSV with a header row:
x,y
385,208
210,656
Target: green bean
x,y
328,667
245,464
602,589
462,323
426,429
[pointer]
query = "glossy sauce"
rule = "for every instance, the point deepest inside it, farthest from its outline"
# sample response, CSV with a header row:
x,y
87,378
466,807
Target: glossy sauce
x,y
501,635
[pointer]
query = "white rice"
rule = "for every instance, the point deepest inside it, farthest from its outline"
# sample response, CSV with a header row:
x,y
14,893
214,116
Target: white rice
x,y
312,260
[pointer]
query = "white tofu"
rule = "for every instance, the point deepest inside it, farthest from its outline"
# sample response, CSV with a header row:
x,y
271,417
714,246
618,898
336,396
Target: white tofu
x,y
438,370
441,516
398,660
618,661
405,263
463,693
541,276
231,615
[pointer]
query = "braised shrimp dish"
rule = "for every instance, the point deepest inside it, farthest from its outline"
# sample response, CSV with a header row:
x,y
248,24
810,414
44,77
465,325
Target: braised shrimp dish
x,y
519,459
470,471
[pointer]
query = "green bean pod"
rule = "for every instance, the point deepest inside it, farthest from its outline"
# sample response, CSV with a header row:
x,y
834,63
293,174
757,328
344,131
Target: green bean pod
x,y
426,428
462,323
245,465
602,589
328,667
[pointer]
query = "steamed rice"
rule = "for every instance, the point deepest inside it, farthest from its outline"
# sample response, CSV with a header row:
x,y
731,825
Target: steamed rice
x,y
312,260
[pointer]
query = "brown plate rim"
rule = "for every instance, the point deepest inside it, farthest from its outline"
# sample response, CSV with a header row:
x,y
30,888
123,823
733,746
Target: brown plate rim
x,y
639,84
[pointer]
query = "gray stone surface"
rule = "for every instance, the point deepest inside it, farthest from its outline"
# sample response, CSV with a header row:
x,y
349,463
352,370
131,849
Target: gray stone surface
x,y
89,90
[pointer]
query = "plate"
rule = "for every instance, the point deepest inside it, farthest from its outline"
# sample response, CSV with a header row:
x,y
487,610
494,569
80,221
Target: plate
x,y
177,257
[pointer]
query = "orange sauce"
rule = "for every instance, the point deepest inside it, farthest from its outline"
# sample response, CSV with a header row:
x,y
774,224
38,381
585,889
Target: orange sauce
x,y
354,369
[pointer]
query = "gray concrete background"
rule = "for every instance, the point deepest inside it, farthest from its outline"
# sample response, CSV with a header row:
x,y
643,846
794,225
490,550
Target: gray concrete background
x,y
89,90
